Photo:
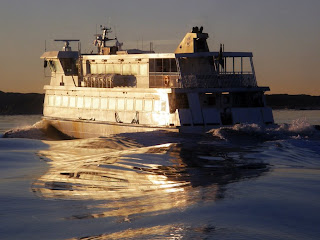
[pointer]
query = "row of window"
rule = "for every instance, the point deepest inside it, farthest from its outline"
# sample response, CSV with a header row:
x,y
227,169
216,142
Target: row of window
x,y
127,104
162,65
236,99
155,65
119,68
211,100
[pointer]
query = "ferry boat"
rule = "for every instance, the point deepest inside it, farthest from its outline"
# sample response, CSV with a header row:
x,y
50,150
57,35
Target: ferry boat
x,y
114,91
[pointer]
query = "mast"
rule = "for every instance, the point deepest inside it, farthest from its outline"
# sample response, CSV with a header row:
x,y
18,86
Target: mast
x,y
102,39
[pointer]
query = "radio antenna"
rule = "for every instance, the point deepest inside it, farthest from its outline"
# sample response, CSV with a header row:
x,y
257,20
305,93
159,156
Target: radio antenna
x,y
115,31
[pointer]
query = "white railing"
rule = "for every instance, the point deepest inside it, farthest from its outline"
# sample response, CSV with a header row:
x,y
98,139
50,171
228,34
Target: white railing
x,y
229,80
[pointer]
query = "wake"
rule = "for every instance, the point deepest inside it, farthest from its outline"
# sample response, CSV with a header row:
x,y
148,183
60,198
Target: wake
x,y
40,130
299,128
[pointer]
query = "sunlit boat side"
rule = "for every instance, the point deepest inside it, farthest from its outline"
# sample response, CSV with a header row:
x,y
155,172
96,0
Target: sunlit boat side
x,y
113,91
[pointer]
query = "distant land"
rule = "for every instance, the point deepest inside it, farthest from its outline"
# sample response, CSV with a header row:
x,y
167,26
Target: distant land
x,y
32,103
298,102
21,103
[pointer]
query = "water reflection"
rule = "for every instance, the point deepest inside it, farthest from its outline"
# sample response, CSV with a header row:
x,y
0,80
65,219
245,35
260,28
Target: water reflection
x,y
120,178
176,231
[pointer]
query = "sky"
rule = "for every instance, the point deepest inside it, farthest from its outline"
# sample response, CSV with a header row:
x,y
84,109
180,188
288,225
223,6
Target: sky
x,y
284,35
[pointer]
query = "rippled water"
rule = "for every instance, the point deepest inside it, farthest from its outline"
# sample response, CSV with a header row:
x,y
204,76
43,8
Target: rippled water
x,y
244,182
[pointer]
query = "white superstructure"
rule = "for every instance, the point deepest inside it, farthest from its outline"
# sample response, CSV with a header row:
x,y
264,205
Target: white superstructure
x,y
115,91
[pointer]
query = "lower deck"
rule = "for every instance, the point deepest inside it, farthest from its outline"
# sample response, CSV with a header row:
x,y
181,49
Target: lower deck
x,y
186,110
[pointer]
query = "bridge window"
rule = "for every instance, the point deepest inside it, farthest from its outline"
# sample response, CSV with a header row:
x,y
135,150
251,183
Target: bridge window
x,y
69,66
55,66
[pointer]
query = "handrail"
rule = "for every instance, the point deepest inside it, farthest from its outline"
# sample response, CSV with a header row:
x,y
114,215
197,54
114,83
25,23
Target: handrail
x,y
218,81
236,73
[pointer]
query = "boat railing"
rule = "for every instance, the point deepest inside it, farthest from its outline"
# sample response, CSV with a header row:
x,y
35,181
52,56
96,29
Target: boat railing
x,y
236,73
164,80
222,80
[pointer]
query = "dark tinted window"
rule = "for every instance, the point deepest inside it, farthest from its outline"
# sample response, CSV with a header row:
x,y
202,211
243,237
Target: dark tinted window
x,y
151,65
162,65
166,65
173,65
159,65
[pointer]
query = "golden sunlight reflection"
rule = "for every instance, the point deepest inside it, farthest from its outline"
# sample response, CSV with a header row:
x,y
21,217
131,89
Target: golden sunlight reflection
x,y
117,177
166,232
132,233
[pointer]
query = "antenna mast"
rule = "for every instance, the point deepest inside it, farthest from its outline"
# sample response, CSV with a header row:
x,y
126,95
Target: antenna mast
x,y
102,39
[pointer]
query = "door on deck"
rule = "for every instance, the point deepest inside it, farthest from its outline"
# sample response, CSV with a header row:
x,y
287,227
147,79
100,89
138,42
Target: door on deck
x,y
196,109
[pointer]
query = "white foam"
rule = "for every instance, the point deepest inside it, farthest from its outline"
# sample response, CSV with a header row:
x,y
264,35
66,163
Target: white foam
x,y
299,128
35,131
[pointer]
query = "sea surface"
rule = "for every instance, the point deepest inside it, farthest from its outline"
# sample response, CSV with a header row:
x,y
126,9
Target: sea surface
x,y
242,182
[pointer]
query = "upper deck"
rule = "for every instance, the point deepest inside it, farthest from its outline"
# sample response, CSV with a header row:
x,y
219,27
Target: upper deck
x,y
191,66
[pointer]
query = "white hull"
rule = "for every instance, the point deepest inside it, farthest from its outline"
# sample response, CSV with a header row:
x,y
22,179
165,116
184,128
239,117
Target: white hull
x,y
89,129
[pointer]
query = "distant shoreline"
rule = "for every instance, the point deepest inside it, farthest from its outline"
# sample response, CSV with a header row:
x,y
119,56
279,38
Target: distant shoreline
x,y
21,103
32,103
293,102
